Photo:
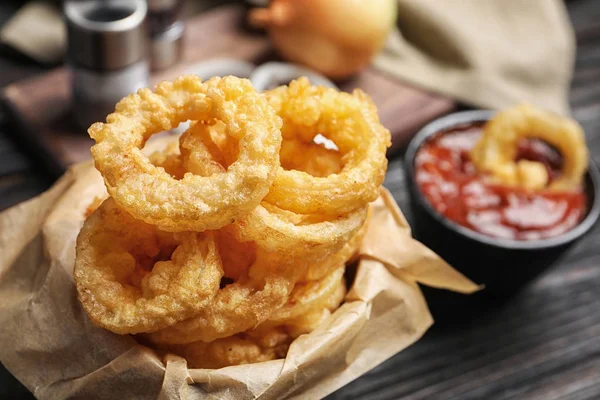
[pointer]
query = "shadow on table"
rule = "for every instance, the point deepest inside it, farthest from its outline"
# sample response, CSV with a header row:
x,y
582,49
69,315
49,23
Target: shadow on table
x,y
10,388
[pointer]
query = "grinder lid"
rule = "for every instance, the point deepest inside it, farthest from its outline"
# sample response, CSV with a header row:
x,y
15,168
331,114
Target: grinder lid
x,y
106,34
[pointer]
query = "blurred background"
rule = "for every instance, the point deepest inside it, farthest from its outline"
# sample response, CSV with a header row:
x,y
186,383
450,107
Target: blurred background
x,y
61,69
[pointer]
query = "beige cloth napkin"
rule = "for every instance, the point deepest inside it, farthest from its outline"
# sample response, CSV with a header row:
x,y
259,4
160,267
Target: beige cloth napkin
x,y
37,30
487,53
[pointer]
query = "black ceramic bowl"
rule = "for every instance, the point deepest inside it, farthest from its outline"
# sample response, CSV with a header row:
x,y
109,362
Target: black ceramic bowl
x,y
503,266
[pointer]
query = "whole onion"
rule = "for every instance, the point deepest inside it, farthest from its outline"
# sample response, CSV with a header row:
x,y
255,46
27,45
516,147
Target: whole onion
x,y
335,37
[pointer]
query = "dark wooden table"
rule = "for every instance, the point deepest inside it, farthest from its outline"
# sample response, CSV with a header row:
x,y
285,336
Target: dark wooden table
x,y
543,344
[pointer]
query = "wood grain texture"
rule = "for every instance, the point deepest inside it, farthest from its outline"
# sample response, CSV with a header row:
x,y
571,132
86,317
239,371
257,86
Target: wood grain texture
x,y
41,105
543,344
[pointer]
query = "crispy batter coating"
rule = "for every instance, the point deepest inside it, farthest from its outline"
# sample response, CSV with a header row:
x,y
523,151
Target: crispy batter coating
x,y
352,123
128,284
132,278
170,160
318,270
226,247
238,306
313,179
194,202
311,236
197,155
496,151
234,350
311,158
237,257
270,340
310,295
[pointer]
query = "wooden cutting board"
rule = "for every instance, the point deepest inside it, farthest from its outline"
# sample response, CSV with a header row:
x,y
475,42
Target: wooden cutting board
x,y
40,107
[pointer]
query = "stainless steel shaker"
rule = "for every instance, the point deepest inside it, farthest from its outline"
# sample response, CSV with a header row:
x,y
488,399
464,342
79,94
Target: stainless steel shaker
x,y
166,27
107,54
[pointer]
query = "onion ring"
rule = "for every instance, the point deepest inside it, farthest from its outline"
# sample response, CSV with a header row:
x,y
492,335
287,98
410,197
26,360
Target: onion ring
x,y
120,295
243,304
302,236
238,306
113,252
311,158
349,120
193,202
273,229
308,322
319,270
270,228
198,154
310,295
257,291
496,151
268,341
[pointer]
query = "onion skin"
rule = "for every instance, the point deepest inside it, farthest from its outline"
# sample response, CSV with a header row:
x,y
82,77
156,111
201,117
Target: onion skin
x,y
337,38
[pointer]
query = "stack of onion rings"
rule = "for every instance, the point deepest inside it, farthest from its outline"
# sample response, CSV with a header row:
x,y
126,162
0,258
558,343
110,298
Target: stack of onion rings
x,y
225,248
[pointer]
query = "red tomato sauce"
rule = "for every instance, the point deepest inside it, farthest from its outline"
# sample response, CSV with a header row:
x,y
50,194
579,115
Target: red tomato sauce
x,y
453,186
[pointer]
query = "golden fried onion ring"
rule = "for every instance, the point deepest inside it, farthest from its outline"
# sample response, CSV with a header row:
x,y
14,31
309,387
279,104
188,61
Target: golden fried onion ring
x,y
211,138
194,202
352,123
308,322
207,146
238,306
198,155
318,270
111,286
306,236
270,340
310,295
338,182
113,248
237,257
272,228
496,150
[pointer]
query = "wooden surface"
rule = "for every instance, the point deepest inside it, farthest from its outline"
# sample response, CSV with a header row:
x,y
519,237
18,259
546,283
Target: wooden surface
x,y
543,344
41,105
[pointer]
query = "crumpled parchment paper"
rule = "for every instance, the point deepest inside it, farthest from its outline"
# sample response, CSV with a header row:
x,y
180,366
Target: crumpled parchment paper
x,y
50,345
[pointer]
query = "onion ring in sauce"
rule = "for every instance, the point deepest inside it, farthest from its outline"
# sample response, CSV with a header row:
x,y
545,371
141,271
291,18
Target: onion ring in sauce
x,y
495,152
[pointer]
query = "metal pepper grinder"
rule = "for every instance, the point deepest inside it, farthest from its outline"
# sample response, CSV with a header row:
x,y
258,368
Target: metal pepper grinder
x,y
165,19
106,54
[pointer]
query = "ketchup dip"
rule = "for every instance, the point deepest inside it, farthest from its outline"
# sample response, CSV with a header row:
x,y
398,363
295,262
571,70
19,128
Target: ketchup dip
x,y
456,189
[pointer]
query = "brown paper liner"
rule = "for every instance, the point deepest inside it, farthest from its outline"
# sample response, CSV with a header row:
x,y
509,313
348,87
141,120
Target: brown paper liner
x,y
50,345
